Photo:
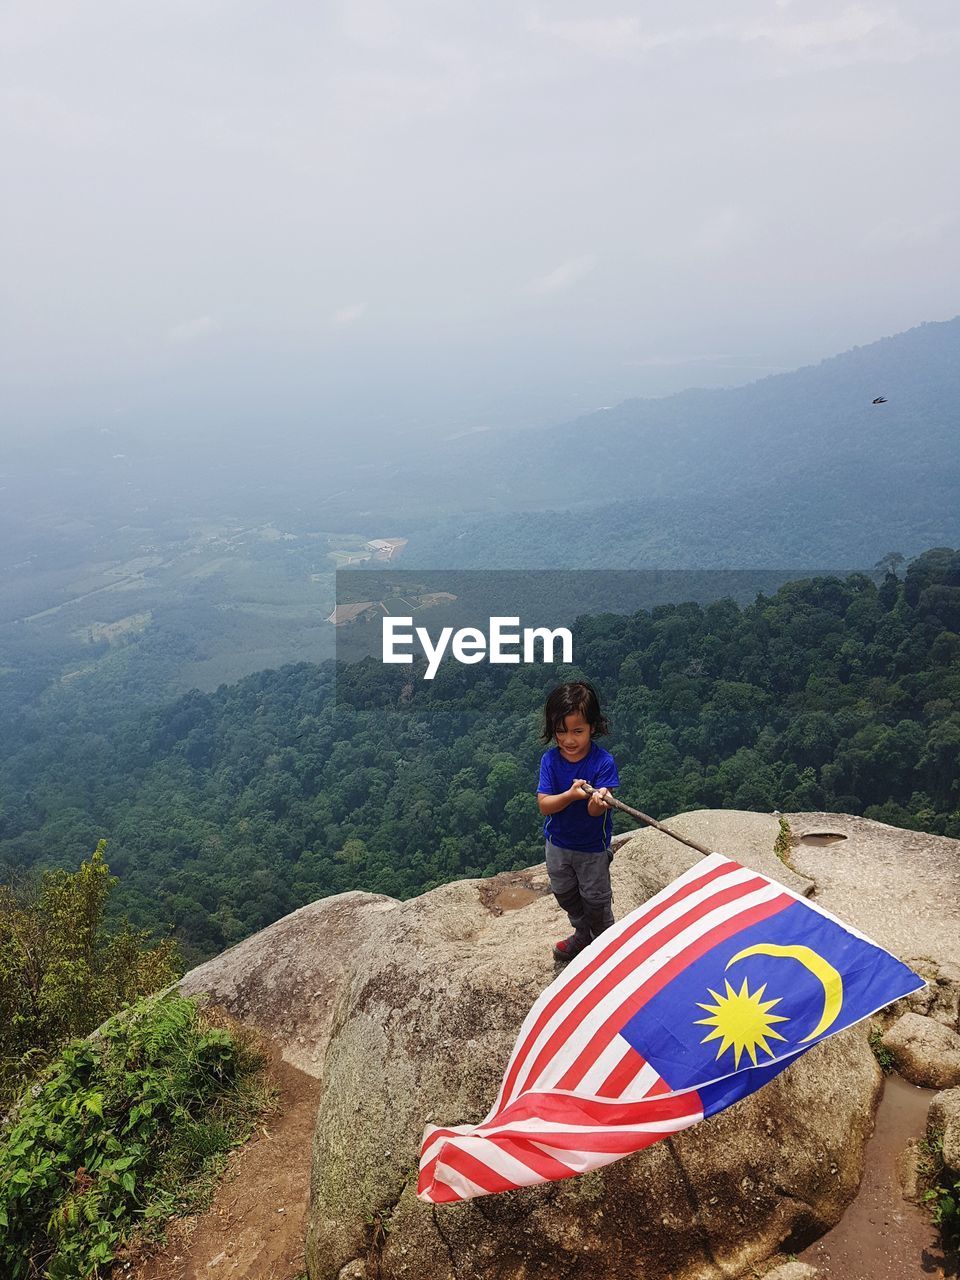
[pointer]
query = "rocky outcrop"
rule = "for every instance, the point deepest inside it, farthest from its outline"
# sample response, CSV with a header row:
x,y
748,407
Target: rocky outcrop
x,y
902,888
707,1204
287,979
748,837
925,1052
408,1012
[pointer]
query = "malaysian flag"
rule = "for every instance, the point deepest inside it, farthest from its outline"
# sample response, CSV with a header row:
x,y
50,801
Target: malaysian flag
x,y
685,1006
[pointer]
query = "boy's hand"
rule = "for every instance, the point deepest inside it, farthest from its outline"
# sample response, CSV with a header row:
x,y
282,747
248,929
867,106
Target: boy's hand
x,y
575,793
601,799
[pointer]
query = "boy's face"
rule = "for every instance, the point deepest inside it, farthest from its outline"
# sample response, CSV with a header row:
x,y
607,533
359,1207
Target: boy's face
x,y
573,737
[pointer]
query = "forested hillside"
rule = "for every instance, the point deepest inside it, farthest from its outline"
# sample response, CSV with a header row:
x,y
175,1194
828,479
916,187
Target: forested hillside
x,y
136,565
800,469
225,811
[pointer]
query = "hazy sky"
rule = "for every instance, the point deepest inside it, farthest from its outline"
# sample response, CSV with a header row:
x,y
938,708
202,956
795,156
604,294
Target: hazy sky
x,y
447,215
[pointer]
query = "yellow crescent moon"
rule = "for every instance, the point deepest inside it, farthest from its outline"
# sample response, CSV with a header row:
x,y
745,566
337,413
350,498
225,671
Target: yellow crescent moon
x,y
820,968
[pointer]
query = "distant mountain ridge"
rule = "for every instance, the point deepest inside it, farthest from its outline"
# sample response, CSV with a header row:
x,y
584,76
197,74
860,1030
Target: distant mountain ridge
x,y
798,469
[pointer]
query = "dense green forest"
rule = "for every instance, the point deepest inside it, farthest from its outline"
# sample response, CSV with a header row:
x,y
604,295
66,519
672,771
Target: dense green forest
x,y
810,521
224,811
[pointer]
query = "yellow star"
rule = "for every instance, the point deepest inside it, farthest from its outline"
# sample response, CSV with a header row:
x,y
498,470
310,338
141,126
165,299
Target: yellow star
x,y
740,1020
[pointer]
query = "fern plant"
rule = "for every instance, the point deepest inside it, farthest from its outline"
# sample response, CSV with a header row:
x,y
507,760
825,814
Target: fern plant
x,y
116,1133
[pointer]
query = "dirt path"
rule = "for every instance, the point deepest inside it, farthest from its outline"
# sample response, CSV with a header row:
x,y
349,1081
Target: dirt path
x,y
255,1227
882,1236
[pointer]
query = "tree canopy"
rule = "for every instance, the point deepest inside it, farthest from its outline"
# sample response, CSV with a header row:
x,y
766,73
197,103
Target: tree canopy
x,y
227,810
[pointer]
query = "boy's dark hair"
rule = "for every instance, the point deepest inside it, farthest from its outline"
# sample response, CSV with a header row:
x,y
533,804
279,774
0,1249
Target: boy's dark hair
x,y
578,697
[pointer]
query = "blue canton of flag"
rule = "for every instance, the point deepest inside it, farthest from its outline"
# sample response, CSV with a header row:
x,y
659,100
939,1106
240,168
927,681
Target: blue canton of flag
x,y
738,1015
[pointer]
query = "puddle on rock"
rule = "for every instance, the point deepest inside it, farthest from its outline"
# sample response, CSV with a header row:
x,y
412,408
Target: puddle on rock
x,y
513,897
822,837
882,1236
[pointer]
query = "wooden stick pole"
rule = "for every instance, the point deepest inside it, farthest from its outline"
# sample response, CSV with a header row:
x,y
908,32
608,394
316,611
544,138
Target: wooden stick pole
x,y
651,822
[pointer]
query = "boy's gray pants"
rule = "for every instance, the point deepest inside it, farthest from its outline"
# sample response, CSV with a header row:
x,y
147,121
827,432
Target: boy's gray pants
x,y
581,885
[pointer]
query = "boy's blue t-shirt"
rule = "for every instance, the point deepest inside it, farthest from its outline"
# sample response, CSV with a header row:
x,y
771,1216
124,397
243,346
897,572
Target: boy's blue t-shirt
x,y
573,827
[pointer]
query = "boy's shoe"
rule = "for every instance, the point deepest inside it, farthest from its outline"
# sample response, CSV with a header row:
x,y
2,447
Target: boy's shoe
x,y
567,948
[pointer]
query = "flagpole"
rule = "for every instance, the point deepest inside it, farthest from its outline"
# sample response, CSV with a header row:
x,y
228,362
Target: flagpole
x,y
643,817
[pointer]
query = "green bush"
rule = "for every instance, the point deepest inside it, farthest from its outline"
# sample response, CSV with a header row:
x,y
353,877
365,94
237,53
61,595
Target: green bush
x,y
945,1202
120,1133
783,842
880,1051
943,1196
62,971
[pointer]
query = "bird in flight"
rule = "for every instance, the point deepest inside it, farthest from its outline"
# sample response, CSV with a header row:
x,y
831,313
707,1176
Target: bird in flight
x,y
880,400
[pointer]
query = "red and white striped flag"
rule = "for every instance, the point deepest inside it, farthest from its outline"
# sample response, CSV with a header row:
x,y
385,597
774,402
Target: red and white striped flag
x,y
578,1092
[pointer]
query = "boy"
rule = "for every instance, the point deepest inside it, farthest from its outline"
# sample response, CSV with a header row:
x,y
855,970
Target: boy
x,y
577,829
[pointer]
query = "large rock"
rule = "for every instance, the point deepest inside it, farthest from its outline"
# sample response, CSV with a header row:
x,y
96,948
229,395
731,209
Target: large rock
x,y
943,1118
940,998
422,1033
408,1011
910,1169
287,978
925,1052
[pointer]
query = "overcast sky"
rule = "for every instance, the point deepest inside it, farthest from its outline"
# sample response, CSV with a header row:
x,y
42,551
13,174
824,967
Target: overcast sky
x,y
447,215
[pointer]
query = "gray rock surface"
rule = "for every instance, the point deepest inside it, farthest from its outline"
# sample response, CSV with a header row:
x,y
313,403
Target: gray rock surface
x,y
747,837
940,999
286,979
909,1167
792,1271
925,1052
944,1118
901,888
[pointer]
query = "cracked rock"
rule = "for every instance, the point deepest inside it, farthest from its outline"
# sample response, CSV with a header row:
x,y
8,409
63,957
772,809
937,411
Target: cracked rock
x,y
925,1052
944,1118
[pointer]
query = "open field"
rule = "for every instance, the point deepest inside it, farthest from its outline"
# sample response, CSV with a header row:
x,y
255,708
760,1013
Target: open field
x,y
184,604
116,632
